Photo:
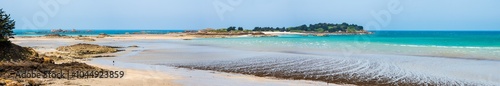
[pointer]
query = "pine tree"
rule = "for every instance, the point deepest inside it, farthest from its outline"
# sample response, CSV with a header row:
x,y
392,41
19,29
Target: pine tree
x,y
6,26
240,28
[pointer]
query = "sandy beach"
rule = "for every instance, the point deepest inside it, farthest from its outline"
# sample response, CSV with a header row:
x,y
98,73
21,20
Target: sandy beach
x,y
249,43
151,74
160,60
133,78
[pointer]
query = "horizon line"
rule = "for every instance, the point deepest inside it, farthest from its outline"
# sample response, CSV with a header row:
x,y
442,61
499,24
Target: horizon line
x,y
251,29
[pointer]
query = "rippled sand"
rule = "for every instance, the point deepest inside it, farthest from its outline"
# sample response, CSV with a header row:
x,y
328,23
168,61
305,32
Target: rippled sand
x,y
141,63
332,67
297,64
336,70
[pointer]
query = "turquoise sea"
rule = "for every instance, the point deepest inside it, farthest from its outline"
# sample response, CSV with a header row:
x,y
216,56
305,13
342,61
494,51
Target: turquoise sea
x,y
446,58
90,32
455,44
421,57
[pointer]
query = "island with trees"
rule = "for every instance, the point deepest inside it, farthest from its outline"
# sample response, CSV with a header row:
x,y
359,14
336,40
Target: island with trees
x,y
319,29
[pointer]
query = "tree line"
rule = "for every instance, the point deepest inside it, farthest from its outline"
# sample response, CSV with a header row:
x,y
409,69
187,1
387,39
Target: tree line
x,y
319,27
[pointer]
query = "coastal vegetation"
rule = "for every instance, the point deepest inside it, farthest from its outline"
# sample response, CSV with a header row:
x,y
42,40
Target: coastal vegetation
x,y
6,26
15,59
314,28
9,51
319,27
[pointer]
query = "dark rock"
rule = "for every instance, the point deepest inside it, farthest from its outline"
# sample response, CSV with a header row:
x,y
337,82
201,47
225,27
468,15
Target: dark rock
x,y
133,46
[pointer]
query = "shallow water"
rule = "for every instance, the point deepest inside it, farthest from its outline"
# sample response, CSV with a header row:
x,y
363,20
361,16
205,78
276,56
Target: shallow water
x,y
455,44
410,71
302,58
336,67
41,32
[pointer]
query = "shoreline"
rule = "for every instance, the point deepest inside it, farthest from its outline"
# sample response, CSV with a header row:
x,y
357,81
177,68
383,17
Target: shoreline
x,y
190,77
133,77
154,50
180,77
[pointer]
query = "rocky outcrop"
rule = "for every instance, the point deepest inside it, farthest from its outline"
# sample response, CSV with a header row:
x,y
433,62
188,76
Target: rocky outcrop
x,y
15,59
57,36
53,35
102,35
9,69
85,39
135,46
9,51
83,49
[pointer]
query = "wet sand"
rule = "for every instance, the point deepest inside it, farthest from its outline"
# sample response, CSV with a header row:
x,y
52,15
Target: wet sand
x,y
132,78
360,69
146,73
332,67
190,63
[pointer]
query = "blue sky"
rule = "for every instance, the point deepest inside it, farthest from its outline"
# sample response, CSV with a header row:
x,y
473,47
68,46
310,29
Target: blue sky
x,y
199,14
